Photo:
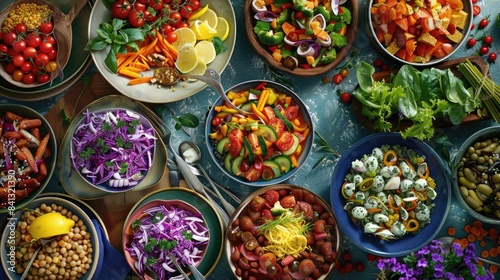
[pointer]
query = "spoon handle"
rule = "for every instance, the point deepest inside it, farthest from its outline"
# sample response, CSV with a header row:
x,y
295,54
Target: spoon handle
x,y
27,269
229,208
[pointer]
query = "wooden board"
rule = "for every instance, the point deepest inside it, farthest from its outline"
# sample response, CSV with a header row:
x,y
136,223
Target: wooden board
x,y
398,125
114,208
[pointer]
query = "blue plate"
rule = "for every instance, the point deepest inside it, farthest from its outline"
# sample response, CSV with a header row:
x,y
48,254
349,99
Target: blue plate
x,y
410,242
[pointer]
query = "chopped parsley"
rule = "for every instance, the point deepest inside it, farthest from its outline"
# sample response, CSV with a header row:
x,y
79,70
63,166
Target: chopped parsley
x,y
123,168
87,152
106,126
151,261
167,245
157,217
136,224
187,235
132,126
120,123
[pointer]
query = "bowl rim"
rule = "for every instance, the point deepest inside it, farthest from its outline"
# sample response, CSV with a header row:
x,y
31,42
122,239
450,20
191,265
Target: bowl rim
x,y
478,135
141,208
246,201
52,143
268,58
381,49
376,245
104,187
307,148
81,214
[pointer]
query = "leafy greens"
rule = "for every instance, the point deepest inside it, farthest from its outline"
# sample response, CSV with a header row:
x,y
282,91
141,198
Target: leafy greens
x,y
419,96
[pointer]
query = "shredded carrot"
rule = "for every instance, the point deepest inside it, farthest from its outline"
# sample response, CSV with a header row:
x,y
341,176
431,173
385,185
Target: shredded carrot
x,y
471,238
464,242
493,269
141,80
493,252
451,231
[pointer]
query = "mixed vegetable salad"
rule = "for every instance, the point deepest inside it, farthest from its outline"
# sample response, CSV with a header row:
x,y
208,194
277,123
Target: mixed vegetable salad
x,y
417,31
254,148
299,32
164,231
114,147
284,233
390,192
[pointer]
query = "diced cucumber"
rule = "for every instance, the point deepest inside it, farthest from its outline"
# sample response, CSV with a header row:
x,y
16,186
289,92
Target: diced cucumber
x,y
246,106
295,145
235,166
223,145
263,145
284,163
248,147
268,132
288,123
274,167
228,160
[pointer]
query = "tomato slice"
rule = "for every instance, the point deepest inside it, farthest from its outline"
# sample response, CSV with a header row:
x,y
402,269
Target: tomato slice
x,y
278,125
288,201
268,112
267,173
236,134
285,141
306,208
291,112
253,174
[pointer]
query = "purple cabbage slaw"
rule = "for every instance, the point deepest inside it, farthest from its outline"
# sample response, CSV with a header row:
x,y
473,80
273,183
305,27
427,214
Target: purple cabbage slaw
x,y
167,231
113,147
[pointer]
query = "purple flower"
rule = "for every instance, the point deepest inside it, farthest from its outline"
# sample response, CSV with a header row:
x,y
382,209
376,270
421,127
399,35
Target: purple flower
x,y
424,250
437,258
422,263
438,270
457,249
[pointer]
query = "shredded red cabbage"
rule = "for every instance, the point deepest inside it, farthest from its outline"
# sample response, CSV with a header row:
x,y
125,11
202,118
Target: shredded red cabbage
x,y
167,231
113,148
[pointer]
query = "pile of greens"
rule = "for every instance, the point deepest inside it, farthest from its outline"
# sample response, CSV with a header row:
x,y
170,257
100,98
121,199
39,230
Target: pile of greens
x,y
418,96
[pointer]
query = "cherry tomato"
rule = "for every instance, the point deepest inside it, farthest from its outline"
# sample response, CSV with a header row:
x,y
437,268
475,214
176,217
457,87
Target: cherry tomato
x,y
288,201
344,73
235,148
474,1
50,39
253,174
476,10
285,141
471,42
167,28
488,40
268,112
360,267
43,78
17,75
271,196
278,125
216,121
9,38
26,66
345,97
19,46
299,14
136,18
346,256
52,54
484,50
306,208
186,11
41,60
175,17
337,78
51,66
45,47
4,49
143,1
319,226
384,67
181,24
18,60
148,16
28,78
138,6
46,27
483,23
171,37
452,28
472,26
10,68
20,28
291,112
33,40
492,57
29,52
121,9
157,5
195,4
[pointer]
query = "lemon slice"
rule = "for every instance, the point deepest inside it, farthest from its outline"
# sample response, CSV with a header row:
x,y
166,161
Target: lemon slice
x,y
198,13
199,69
205,51
50,224
185,35
211,17
222,28
187,59
206,31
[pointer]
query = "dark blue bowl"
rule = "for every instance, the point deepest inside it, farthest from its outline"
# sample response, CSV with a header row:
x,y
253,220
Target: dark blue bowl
x,y
410,242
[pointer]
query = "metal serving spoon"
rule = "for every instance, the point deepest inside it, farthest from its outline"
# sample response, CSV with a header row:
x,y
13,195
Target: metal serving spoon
x,y
43,243
187,147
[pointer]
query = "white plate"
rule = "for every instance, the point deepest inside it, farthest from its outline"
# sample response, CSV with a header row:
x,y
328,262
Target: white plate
x,y
151,93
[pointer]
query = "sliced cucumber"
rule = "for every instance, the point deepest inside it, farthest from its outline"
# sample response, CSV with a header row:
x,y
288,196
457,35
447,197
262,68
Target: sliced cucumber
x,y
228,160
295,145
246,106
268,132
235,166
288,123
274,167
223,145
248,147
263,145
283,162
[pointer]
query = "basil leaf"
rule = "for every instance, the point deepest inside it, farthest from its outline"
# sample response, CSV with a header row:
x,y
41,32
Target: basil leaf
x,y
120,40
102,32
122,49
133,45
188,120
106,26
108,3
95,44
124,35
111,61
134,34
117,24
218,45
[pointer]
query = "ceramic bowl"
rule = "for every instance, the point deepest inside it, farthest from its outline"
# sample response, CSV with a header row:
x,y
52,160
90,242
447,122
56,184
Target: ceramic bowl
x,y
225,160
452,31
409,242
113,184
293,198
27,189
142,213
466,183
13,231
303,71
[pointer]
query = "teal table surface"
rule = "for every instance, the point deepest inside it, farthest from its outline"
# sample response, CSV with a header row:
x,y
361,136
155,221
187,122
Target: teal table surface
x,y
333,119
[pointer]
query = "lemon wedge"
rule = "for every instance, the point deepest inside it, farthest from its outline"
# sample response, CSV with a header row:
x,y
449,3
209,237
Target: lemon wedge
x,y
185,35
211,17
198,13
50,224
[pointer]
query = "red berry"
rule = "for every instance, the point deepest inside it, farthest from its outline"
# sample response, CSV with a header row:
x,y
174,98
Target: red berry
x,y
349,267
484,50
345,97
471,42
371,257
474,1
384,67
472,26
492,57
488,40
378,62
483,23
346,256
360,267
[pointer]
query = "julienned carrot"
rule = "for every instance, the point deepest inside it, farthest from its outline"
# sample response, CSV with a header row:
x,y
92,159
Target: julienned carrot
x,y
141,80
144,49
464,242
451,231
493,269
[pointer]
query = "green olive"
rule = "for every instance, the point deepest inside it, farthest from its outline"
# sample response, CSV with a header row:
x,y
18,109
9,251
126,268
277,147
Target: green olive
x,y
469,174
466,183
495,178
